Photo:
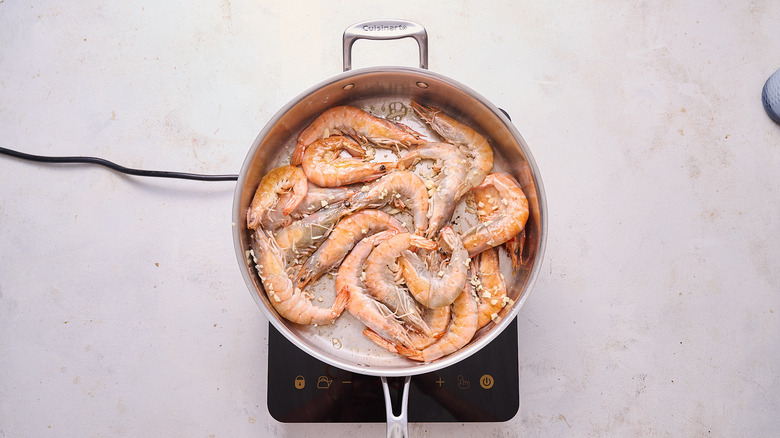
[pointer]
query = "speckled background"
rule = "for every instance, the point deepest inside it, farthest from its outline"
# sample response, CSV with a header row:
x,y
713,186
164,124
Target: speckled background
x,y
122,308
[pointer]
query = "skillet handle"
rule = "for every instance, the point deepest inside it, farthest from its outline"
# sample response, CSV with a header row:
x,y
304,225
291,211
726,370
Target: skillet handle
x,y
385,29
397,425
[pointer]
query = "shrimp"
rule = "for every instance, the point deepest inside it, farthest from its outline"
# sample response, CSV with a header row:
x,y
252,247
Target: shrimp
x,y
490,286
459,333
438,320
303,236
474,145
449,184
323,166
402,187
515,247
316,199
358,124
347,232
438,285
375,315
289,301
486,200
381,270
363,306
278,181
502,218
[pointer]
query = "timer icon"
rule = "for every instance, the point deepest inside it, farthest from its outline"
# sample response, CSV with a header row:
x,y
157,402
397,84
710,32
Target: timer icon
x,y
486,381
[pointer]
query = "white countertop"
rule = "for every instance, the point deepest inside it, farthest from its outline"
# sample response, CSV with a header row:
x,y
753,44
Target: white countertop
x,y
122,307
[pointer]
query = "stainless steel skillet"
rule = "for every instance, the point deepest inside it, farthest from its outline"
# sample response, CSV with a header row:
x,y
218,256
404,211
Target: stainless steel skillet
x,y
387,91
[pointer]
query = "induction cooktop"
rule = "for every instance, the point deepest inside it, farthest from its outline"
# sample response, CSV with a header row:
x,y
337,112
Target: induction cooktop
x,y
481,388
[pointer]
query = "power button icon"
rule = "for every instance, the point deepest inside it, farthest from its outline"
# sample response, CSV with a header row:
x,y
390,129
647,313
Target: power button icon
x,y
486,381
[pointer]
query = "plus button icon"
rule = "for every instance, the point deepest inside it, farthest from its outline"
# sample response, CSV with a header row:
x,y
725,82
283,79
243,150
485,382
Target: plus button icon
x,y
440,382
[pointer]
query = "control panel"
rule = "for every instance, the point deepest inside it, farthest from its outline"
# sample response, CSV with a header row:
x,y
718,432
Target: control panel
x,y
481,388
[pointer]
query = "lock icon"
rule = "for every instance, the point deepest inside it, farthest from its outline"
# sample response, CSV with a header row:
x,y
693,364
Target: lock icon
x,y
300,382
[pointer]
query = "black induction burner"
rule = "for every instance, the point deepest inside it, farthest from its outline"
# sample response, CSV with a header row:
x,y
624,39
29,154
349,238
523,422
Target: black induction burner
x,y
481,388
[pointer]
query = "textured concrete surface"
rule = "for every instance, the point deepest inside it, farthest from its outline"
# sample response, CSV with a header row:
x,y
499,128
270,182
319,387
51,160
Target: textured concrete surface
x,y
122,308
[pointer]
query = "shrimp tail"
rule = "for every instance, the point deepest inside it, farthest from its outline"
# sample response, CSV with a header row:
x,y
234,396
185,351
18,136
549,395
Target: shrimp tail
x,y
422,242
410,353
382,342
393,347
514,247
408,160
294,201
342,299
297,156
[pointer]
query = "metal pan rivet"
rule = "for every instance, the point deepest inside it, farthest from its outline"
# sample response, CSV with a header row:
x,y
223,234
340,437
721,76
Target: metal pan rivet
x,y
422,85
348,87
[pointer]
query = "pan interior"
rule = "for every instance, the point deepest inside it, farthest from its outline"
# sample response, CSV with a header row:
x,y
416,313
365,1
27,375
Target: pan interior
x,y
386,92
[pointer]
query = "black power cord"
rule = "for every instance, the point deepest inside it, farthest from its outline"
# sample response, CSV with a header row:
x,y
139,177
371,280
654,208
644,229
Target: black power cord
x,y
116,167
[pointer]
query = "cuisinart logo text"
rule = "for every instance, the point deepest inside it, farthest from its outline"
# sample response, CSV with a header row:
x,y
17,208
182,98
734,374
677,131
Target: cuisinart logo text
x,y
373,28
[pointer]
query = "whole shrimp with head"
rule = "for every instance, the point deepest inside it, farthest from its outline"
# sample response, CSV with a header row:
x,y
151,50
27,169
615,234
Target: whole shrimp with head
x,y
356,123
289,301
302,237
490,287
362,305
473,144
347,232
506,213
436,282
373,313
382,269
278,181
401,188
316,199
324,166
461,330
447,186
486,203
